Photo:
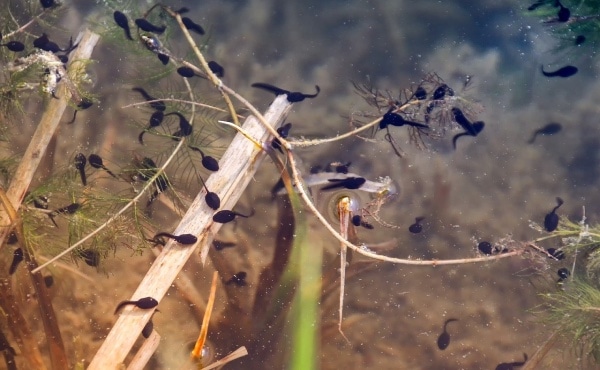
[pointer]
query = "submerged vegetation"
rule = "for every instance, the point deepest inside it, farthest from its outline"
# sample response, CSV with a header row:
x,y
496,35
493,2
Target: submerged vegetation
x,y
197,143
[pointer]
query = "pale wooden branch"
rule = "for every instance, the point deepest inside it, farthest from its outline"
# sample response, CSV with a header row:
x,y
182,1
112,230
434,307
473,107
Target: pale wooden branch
x,y
237,166
44,132
142,356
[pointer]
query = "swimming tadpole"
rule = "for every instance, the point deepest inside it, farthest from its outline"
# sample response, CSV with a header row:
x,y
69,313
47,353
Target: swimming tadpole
x,y
145,303
550,129
292,97
443,340
512,365
122,21
564,72
551,219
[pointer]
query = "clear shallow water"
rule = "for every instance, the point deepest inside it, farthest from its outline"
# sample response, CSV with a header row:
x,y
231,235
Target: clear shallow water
x,y
489,187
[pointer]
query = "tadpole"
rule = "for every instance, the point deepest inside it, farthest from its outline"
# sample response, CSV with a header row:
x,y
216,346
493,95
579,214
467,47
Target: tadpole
x,y
238,279
485,247
208,162
47,3
186,72
145,303
471,129
347,183
220,245
15,46
225,216
550,129
17,258
80,163
564,72
155,120
190,25
185,129
357,220
149,27
292,97
283,131
91,257
416,227
216,68
96,162
551,219
512,365
122,21
443,340
156,105
395,119
70,209
185,239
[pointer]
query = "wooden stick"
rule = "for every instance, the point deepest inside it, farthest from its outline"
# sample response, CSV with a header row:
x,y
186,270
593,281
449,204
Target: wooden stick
x,y
237,166
145,352
44,132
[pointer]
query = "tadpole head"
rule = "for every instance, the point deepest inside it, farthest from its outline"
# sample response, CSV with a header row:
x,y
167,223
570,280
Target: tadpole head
x,y
95,161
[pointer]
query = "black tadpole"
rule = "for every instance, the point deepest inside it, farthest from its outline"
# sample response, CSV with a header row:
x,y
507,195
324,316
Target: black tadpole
x,y
238,279
80,162
292,97
225,216
283,131
185,239
96,162
347,183
216,68
156,105
485,247
564,72
512,365
144,25
563,273
145,303
70,209
416,227
190,25
357,220
91,257
551,219
443,340
155,120
47,3
185,129
186,72
15,46
122,21
220,245
471,129
84,104
395,119
212,200
550,129
17,258
208,162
